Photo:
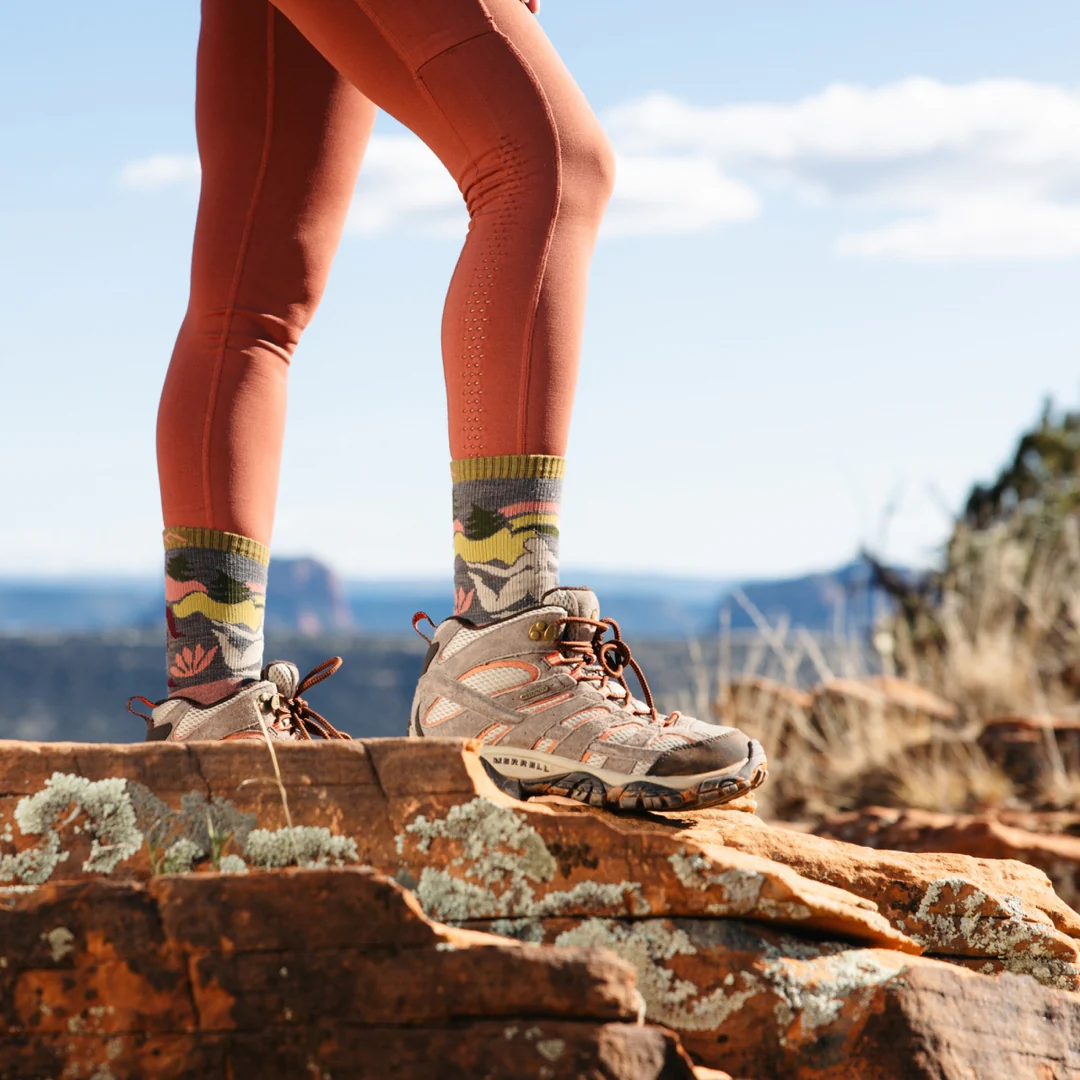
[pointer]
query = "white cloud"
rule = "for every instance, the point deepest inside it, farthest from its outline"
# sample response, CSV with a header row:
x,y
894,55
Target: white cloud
x,y
988,169
661,196
160,170
403,185
977,228
982,170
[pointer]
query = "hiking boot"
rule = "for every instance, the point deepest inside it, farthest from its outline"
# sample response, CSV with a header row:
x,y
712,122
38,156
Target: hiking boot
x,y
547,698
268,708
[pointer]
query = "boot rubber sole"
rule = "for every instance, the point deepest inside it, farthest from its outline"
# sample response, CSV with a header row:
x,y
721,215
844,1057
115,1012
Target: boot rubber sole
x,y
523,774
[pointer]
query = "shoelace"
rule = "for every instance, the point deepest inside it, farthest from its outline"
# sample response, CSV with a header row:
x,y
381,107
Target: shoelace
x,y
296,714
595,661
603,662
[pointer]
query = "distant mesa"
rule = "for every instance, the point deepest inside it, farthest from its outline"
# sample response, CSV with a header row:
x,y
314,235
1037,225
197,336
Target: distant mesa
x,y
308,598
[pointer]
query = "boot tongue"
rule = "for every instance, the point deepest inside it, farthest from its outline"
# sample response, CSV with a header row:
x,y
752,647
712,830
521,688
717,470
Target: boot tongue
x,y
577,601
285,676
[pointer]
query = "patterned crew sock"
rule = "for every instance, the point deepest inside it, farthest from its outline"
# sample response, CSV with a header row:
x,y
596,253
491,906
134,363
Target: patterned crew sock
x,y
215,594
506,533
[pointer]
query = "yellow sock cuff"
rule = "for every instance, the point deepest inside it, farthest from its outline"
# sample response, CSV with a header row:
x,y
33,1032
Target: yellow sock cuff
x,y
181,536
509,467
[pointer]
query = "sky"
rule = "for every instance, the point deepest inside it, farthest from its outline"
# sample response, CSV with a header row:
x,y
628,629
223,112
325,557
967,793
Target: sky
x,y
836,280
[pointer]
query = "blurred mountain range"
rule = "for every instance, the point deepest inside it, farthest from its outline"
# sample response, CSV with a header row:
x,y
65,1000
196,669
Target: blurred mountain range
x,y
72,652
307,598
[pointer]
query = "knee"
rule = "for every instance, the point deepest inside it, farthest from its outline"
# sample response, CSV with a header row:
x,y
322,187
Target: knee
x,y
563,168
587,167
257,330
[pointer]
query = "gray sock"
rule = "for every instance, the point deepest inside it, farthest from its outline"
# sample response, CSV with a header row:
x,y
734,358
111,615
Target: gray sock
x,y
506,533
215,596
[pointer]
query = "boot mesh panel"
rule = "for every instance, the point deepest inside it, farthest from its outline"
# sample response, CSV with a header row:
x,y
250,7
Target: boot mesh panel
x,y
442,709
498,677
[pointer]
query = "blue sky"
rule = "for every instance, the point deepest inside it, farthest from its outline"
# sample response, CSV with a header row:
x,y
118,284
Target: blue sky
x,y
840,272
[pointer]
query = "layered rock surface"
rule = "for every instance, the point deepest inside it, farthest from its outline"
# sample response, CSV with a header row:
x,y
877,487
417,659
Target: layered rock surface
x,y
1040,840
770,952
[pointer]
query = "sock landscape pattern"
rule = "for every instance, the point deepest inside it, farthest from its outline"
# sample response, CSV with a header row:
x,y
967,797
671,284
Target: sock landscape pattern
x,y
215,596
506,533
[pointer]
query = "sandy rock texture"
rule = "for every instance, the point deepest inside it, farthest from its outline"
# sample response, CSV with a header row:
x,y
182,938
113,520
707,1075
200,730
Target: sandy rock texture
x,y
301,973
1031,838
770,953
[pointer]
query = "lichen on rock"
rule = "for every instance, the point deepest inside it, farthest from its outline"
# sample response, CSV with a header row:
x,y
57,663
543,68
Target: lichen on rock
x,y
647,945
500,861
733,892
202,827
956,914
302,845
180,856
109,820
813,991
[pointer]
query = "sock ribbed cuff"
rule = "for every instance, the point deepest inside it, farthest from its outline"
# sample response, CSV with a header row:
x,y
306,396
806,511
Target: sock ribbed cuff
x,y
509,467
184,536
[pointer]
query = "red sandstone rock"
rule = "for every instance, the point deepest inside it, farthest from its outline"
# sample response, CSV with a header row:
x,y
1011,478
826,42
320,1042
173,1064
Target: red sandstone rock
x,y
767,1004
953,904
300,972
537,859
1058,856
689,899
910,712
1030,748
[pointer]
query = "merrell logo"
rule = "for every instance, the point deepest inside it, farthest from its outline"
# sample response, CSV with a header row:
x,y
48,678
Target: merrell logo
x,y
532,692
521,763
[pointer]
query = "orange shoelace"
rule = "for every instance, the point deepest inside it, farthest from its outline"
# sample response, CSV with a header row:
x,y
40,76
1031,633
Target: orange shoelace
x,y
297,714
603,662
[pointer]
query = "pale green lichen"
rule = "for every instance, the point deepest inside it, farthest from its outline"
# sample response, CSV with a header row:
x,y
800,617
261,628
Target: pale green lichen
x,y
530,931
210,825
501,858
118,815
302,845
180,856
733,892
647,945
551,1049
60,942
812,994
484,828
956,917
109,820
34,866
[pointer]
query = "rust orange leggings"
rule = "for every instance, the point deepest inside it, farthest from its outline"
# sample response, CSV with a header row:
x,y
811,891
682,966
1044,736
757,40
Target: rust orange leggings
x,y
287,95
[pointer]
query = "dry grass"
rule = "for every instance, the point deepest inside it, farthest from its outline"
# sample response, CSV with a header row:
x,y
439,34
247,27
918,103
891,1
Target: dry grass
x,y
1004,633
858,741
995,632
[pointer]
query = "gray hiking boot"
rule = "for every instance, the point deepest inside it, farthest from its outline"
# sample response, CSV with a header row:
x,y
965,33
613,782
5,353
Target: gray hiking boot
x,y
548,701
273,703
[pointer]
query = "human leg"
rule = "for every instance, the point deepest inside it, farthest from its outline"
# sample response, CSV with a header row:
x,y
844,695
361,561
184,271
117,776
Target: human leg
x,y
536,684
482,86
281,135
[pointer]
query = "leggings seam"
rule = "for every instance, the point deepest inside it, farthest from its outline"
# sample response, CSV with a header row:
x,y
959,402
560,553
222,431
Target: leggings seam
x,y
451,48
414,72
241,263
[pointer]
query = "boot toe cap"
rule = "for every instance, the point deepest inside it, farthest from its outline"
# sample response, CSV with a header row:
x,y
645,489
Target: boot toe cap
x,y
722,751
